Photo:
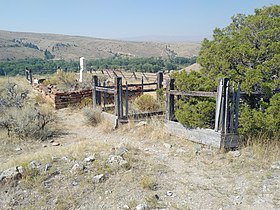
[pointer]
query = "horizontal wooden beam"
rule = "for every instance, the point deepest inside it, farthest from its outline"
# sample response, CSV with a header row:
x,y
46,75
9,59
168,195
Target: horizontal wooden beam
x,y
193,93
106,90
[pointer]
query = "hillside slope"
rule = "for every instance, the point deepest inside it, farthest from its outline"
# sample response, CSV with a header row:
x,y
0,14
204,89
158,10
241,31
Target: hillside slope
x,y
20,45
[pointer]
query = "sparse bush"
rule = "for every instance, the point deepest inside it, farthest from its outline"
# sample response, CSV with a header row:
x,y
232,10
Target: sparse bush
x,y
21,119
146,103
147,182
28,122
92,116
64,80
85,102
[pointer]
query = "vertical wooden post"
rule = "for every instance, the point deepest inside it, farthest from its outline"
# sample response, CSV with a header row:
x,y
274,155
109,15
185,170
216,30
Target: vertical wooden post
x,y
30,76
121,98
226,106
104,97
26,73
94,84
118,97
232,110
142,84
99,95
159,79
237,98
126,99
169,100
218,104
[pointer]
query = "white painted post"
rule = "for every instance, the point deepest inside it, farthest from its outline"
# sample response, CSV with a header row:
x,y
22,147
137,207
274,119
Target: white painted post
x,y
82,68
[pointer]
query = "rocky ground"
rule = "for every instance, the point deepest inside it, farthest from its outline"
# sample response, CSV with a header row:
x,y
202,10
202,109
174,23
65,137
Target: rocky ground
x,y
138,166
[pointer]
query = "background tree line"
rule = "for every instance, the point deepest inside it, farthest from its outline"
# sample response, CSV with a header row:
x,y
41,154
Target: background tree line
x,y
152,64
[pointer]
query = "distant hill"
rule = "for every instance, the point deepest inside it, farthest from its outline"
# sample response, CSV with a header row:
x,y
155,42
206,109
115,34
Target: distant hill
x,y
21,45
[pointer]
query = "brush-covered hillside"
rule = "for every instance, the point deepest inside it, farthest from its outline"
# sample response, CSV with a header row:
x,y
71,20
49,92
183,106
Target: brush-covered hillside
x,y
21,45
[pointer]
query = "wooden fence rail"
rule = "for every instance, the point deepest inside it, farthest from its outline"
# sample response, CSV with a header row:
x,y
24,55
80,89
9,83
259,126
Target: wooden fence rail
x,y
226,117
121,94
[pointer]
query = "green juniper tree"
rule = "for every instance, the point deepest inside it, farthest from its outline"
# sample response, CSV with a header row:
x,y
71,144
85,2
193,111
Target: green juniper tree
x,y
246,51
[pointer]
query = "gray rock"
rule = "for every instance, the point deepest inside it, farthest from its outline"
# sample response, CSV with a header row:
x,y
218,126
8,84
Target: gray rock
x,y
120,151
77,167
126,207
234,153
55,144
47,167
12,173
141,207
123,163
18,149
140,124
33,164
275,165
98,178
169,193
89,159
115,159
167,145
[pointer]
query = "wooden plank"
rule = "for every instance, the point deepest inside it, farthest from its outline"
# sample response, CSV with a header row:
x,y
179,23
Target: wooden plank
x,y
232,113
226,121
159,79
169,100
193,93
145,114
138,85
121,98
142,84
218,104
94,84
105,89
237,100
104,97
126,99
199,135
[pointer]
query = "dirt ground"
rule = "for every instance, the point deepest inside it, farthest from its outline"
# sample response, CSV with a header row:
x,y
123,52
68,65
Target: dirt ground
x,y
139,163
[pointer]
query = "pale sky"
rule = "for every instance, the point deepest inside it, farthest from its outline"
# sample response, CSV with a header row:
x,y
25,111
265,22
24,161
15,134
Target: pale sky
x,y
117,19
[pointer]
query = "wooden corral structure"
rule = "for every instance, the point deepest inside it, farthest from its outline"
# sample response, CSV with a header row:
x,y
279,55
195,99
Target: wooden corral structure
x,y
226,119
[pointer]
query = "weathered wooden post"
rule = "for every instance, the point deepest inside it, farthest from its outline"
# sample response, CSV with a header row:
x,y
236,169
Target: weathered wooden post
x,y
94,85
121,98
118,97
159,79
126,99
82,68
169,100
219,105
237,98
226,106
104,97
142,84
26,73
30,76
99,94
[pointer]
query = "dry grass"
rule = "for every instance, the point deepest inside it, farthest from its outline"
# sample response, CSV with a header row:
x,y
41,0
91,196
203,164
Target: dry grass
x,y
73,151
263,150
